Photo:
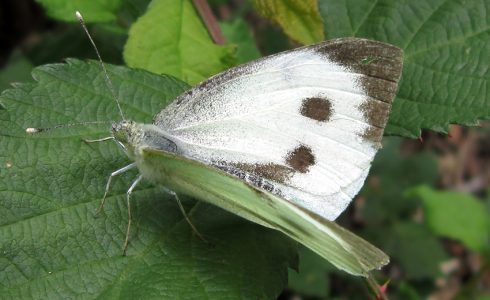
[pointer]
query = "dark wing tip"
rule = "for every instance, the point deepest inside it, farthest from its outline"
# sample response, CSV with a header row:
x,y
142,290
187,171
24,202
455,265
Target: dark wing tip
x,y
379,66
372,58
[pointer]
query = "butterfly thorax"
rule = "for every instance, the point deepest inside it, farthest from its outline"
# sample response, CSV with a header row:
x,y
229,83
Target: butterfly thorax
x,y
132,136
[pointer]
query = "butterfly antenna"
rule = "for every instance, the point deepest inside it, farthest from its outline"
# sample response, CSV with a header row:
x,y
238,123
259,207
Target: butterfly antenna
x,y
32,130
107,78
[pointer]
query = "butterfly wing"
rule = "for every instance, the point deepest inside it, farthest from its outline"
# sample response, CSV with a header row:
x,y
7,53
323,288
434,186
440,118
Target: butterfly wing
x,y
341,247
303,124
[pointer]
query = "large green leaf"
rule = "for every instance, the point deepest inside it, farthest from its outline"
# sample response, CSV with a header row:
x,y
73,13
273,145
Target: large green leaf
x,y
51,243
171,39
93,10
456,215
300,19
446,74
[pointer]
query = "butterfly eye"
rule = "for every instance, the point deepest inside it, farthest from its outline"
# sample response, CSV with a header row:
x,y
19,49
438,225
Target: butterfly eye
x,y
119,131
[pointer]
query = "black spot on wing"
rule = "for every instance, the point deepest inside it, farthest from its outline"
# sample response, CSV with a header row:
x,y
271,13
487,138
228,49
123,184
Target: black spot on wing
x,y
300,159
317,108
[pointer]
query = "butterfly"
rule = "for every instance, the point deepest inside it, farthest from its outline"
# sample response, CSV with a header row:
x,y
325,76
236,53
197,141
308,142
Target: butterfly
x,y
285,141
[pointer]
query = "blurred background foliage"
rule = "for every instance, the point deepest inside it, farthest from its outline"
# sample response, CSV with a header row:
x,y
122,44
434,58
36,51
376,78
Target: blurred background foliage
x,y
426,202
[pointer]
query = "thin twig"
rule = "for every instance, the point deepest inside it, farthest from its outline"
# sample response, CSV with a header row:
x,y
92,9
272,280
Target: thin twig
x,y
209,20
376,288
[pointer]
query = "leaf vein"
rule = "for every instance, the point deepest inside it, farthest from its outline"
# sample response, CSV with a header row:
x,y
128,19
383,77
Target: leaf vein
x,y
423,23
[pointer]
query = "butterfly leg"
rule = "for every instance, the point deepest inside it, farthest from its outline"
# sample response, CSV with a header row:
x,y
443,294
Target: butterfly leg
x,y
186,217
128,196
108,185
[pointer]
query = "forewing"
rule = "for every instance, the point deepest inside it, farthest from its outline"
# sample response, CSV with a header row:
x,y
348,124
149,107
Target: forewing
x,y
339,246
303,124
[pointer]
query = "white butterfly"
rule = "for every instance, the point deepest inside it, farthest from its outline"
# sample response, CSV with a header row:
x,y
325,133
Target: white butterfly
x,y
303,125
300,127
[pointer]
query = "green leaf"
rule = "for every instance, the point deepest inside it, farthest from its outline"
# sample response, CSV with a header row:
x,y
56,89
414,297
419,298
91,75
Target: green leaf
x,y
131,10
72,42
311,279
447,56
388,180
272,40
171,39
300,19
238,32
92,11
17,69
408,292
415,249
456,215
51,243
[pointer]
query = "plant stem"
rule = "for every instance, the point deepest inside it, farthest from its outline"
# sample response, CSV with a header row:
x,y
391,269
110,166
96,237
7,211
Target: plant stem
x,y
376,288
209,20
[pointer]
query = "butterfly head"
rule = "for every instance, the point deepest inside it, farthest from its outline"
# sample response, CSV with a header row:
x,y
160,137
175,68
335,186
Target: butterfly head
x,y
125,133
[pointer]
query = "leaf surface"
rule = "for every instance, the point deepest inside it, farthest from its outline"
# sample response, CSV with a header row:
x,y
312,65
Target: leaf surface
x,y
456,215
237,31
17,69
171,39
311,278
446,75
300,19
409,243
